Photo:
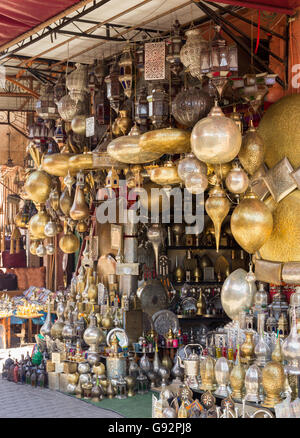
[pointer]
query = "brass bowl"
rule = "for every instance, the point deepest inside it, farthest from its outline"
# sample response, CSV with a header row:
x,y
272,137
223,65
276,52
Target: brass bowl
x,y
166,141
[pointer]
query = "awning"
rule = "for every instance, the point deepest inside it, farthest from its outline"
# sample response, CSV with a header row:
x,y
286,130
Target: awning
x,y
18,16
279,6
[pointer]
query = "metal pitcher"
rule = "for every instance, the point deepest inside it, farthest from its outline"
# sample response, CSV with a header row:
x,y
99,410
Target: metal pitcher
x,y
191,365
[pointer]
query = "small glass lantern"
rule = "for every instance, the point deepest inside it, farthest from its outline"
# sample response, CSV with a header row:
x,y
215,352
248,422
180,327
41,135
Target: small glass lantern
x,y
112,179
283,326
126,71
205,61
113,86
271,324
99,71
121,392
141,107
173,49
59,89
233,58
139,58
142,384
101,107
45,105
60,135
158,107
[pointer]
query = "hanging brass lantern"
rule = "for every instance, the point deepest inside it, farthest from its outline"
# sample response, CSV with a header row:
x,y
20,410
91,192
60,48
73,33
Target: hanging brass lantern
x,y
127,149
68,108
113,86
252,151
173,47
59,89
190,164
191,105
217,207
45,106
166,141
158,102
251,223
237,180
77,82
79,210
69,243
164,175
79,125
65,202
38,222
196,182
141,107
216,138
38,186
126,71
101,107
191,51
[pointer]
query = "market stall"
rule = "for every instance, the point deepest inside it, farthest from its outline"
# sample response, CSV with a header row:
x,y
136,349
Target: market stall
x,y
158,214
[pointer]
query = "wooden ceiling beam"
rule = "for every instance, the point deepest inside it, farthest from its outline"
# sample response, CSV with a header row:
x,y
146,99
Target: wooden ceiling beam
x,y
23,87
142,24
91,29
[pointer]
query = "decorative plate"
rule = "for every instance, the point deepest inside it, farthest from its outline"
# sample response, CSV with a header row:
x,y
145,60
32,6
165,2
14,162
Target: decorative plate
x,y
121,335
164,320
153,297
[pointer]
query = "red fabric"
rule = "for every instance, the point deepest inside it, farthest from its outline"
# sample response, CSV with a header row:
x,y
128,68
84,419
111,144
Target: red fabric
x,y
280,6
19,16
17,260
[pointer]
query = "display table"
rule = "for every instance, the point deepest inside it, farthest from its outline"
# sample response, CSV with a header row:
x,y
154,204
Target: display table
x,y
29,326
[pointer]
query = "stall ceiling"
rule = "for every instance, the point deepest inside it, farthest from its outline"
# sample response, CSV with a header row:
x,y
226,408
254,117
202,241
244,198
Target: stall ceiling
x,y
18,16
91,18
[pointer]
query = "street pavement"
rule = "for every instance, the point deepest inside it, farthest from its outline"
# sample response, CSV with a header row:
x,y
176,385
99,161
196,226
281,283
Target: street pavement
x,y
23,401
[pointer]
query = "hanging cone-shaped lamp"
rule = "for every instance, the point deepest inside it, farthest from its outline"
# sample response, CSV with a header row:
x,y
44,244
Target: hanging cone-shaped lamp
x,y
251,223
217,207
252,151
79,210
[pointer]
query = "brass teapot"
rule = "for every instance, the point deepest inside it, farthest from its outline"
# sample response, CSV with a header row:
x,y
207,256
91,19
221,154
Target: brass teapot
x,y
191,365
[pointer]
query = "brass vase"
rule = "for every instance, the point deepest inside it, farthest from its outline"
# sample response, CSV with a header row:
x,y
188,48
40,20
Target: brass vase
x,y
273,379
207,373
217,207
277,355
247,349
166,361
251,223
237,378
